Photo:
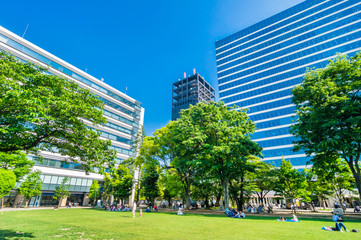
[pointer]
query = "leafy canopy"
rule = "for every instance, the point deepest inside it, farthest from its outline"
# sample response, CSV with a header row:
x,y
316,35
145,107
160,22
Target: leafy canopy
x,y
328,122
31,186
41,111
16,162
7,182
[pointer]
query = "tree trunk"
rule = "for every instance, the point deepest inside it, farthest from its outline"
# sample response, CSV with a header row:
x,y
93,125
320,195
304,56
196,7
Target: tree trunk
x,y
188,195
225,193
355,172
206,202
27,203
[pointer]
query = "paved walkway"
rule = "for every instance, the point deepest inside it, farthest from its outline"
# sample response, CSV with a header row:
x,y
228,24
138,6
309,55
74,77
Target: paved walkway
x,y
8,209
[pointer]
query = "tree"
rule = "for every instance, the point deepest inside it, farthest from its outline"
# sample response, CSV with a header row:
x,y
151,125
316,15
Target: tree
x,y
242,186
41,111
221,136
318,186
291,183
94,192
7,182
149,181
336,176
169,145
264,178
31,186
62,191
328,120
122,182
107,187
171,185
17,162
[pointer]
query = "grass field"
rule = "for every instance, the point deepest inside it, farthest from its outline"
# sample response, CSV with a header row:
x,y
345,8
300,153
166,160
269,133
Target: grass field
x,y
100,224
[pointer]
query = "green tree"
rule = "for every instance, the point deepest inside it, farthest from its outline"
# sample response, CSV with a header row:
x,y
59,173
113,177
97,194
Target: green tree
x,y
40,111
318,186
171,185
264,178
222,139
107,187
149,181
7,182
31,187
94,192
170,146
328,106
62,191
336,175
242,185
17,162
291,183
122,182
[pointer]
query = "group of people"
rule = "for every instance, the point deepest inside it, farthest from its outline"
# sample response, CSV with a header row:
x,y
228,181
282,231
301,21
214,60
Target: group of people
x,y
252,209
121,208
233,213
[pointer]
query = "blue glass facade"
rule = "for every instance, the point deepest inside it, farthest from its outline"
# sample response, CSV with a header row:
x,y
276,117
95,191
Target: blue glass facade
x,y
259,66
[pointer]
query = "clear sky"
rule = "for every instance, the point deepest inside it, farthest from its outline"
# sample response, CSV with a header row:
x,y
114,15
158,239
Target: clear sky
x,y
143,45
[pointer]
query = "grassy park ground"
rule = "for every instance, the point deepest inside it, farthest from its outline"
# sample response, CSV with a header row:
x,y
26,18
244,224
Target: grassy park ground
x,y
100,224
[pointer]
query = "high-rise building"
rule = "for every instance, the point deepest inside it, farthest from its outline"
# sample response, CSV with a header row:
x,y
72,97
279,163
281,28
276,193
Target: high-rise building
x,y
190,90
124,114
259,66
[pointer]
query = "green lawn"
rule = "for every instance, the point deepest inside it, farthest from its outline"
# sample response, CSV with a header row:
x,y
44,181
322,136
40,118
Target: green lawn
x,y
100,224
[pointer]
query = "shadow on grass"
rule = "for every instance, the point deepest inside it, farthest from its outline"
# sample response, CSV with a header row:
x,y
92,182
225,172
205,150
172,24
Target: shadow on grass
x,y
271,217
10,234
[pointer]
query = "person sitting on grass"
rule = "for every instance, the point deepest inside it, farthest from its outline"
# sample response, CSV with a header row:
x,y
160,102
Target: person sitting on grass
x,y
242,214
229,213
147,210
180,212
337,218
295,219
338,227
260,209
282,219
357,209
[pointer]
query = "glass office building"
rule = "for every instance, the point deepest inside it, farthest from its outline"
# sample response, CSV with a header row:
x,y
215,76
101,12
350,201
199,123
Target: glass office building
x,y
259,66
124,114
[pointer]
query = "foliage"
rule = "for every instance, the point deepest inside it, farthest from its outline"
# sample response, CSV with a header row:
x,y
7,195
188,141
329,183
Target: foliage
x,y
318,185
263,178
242,185
328,120
171,185
149,181
107,187
41,111
17,162
62,191
291,183
168,144
337,175
223,138
122,182
7,182
94,191
31,186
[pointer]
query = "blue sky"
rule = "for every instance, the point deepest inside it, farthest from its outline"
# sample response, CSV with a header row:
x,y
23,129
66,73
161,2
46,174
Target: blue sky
x,y
143,45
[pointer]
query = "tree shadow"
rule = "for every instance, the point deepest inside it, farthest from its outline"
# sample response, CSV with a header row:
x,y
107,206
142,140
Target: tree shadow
x,y
6,234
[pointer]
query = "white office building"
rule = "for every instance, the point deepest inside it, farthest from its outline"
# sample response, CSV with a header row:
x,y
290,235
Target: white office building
x,y
124,114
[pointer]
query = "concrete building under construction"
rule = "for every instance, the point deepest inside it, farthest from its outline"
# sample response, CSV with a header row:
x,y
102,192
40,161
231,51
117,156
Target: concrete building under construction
x,y
190,90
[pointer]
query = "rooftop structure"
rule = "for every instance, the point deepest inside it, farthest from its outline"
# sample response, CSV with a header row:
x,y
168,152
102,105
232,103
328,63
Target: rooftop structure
x,y
190,90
